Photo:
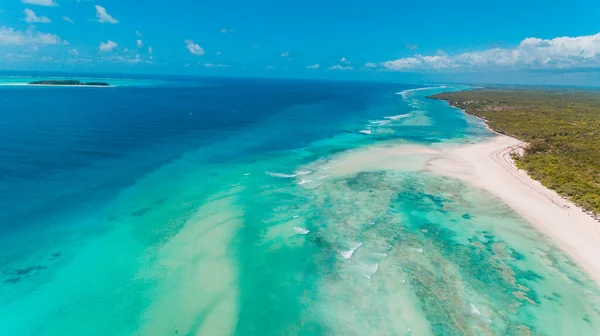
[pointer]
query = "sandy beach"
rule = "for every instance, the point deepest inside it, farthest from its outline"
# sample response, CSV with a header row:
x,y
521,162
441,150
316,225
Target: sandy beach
x,y
489,166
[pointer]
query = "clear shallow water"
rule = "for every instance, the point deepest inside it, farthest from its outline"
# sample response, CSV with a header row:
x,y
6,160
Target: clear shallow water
x,y
229,207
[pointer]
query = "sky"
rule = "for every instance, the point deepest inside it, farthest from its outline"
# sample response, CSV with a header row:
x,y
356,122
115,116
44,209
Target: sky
x,y
519,42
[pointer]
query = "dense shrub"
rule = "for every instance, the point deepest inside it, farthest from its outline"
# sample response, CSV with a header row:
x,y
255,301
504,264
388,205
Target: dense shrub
x,y
561,127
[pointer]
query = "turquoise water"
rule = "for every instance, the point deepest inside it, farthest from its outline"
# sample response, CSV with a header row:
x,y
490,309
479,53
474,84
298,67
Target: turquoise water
x,y
254,207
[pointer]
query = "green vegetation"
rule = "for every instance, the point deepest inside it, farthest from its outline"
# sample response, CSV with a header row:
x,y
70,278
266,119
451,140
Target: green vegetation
x,y
562,128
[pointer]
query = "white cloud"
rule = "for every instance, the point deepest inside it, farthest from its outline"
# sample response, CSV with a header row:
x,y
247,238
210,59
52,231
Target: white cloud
x,y
30,17
207,65
107,46
286,54
68,19
532,53
344,60
150,51
370,65
17,37
314,66
218,53
139,44
138,59
103,17
341,67
128,59
194,48
40,2
211,65
412,46
138,34
18,56
269,67
226,31
74,52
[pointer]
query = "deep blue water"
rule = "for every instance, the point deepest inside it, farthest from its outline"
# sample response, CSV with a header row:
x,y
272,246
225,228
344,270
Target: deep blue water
x,y
66,145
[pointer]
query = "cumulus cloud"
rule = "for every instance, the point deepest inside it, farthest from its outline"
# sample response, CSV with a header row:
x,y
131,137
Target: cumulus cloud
x,y
411,46
370,65
194,48
103,17
341,67
211,65
10,36
286,54
107,46
344,60
314,66
40,2
226,31
139,44
68,19
150,51
560,53
31,17
138,59
128,59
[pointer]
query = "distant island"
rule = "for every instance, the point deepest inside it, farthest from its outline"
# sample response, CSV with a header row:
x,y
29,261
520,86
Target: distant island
x,y
68,82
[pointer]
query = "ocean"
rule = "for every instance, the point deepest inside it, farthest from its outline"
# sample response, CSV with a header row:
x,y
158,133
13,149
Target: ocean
x,y
221,206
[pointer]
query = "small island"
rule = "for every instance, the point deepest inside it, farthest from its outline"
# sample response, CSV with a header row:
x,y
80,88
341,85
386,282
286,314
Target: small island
x,y
68,82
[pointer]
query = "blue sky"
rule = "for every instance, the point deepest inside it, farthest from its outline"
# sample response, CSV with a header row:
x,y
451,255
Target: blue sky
x,y
554,42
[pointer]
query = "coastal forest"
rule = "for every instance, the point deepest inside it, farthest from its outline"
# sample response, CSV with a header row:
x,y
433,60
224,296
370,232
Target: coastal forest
x,y
561,127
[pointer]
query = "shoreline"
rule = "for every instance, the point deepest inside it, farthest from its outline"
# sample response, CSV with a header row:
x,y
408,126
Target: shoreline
x,y
488,165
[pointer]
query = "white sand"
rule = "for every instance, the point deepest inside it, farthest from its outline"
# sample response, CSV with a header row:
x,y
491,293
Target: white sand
x,y
489,166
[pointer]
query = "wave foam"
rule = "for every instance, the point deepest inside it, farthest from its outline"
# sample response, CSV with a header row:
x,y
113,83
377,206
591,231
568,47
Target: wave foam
x,y
348,254
369,269
281,175
301,231
379,122
398,117
406,92
316,186
474,310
